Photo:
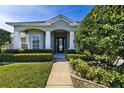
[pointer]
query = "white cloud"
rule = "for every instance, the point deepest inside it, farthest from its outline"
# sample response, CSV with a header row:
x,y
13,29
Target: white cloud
x,y
3,25
6,27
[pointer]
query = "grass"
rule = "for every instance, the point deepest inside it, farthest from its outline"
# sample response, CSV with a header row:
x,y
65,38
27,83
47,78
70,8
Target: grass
x,y
24,75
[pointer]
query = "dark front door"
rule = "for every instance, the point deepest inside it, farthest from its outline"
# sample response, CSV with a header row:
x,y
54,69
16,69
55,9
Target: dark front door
x,y
59,44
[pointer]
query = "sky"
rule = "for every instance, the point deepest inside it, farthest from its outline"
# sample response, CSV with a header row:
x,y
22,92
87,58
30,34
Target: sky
x,y
24,13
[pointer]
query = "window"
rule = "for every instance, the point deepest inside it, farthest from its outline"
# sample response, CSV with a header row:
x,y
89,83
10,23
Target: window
x,y
23,43
35,41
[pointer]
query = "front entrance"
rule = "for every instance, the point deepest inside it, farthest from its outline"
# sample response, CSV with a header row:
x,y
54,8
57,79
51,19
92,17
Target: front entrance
x,y
60,44
59,40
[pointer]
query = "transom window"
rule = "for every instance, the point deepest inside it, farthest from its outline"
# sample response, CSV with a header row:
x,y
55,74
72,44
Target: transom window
x,y
35,41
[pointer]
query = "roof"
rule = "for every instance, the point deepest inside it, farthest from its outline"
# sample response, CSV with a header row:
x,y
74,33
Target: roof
x,y
45,23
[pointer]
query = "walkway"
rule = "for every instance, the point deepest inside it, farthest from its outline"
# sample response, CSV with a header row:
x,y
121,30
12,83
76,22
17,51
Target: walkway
x,y
59,57
59,76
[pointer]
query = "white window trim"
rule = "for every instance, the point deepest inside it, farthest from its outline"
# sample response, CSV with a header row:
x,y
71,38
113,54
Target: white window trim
x,y
32,40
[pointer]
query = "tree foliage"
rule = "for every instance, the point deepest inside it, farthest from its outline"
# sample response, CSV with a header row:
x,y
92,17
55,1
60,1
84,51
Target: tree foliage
x,y
4,37
102,32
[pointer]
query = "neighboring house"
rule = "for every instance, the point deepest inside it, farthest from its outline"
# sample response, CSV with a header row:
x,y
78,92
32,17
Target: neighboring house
x,y
56,33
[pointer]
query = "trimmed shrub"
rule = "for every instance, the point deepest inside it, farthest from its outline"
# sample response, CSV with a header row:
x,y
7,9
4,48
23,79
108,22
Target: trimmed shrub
x,y
115,79
13,51
38,57
82,69
101,76
71,56
73,63
70,51
29,51
91,73
81,56
39,51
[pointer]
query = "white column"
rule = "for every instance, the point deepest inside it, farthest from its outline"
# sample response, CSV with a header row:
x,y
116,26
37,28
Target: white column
x,y
27,40
71,43
16,40
47,41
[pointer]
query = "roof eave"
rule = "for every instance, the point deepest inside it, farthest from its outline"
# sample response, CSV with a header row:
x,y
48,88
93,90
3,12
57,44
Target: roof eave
x,y
28,24
74,24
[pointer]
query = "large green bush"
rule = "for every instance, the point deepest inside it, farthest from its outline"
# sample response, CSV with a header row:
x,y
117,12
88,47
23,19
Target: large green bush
x,y
28,51
108,77
121,52
102,32
26,57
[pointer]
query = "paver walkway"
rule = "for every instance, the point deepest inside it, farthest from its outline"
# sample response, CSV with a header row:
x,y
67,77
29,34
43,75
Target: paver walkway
x,y
59,76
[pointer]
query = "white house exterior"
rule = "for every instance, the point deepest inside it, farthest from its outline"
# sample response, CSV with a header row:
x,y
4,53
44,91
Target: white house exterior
x,y
56,33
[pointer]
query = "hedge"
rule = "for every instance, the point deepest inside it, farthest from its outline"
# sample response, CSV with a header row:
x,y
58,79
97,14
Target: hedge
x,y
13,51
37,57
70,51
81,56
28,51
108,77
39,51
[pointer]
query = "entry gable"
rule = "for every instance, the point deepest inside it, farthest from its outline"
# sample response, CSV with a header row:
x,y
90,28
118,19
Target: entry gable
x,y
63,18
60,23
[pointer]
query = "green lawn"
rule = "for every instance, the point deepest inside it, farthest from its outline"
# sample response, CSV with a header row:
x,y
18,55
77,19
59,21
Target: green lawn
x,y
24,75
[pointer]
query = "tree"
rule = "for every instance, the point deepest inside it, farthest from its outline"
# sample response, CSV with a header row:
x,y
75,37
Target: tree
x,y
102,32
4,37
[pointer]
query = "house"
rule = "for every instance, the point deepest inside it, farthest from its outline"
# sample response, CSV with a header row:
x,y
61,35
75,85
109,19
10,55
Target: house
x,y
56,33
